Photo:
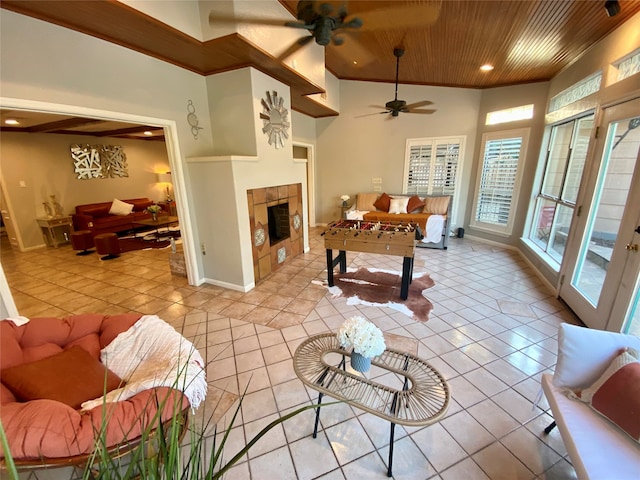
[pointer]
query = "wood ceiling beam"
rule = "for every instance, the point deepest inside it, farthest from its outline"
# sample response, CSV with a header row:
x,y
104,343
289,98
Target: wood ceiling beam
x,y
61,125
123,25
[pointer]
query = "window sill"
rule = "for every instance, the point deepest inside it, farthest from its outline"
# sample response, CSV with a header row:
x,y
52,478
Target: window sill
x,y
545,258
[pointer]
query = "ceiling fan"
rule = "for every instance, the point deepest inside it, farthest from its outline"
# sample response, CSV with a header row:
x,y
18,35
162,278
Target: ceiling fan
x,y
395,106
325,22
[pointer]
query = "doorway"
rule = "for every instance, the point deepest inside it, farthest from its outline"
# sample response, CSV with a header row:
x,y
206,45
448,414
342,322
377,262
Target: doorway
x,y
173,153
599,278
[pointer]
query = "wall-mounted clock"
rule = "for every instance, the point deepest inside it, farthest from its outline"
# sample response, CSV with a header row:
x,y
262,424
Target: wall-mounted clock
x,y
275,119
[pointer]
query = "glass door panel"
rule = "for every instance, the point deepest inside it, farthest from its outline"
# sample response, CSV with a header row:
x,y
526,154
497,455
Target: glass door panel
x,y
600,268
610,197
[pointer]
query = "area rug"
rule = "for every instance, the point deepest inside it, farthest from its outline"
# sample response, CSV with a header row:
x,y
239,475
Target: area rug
x,y
130,244
381,288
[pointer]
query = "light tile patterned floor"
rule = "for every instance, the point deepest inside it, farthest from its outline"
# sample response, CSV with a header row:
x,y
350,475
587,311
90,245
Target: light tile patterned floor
x,y
491,334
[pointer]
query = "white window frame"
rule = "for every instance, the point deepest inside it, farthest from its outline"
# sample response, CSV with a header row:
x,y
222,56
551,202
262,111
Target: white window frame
x,y
434,142
490,227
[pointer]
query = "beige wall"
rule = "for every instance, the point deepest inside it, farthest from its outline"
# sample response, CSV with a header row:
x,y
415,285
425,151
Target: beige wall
x,y
55,69
494,99
223,180
43,162
361,144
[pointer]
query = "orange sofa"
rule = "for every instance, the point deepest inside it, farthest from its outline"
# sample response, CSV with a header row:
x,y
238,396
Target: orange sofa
x,y
377,207
96,218
44,428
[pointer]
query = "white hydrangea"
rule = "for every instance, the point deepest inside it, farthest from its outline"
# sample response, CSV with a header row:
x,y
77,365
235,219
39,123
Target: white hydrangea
x,y
365,338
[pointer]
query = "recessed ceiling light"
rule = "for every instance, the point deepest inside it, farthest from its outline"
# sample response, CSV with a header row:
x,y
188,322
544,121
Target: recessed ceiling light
x,y
12,121
148,133
486,68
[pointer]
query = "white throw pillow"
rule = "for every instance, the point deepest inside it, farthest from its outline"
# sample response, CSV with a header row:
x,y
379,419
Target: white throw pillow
x,y
585,353
118,207
398,205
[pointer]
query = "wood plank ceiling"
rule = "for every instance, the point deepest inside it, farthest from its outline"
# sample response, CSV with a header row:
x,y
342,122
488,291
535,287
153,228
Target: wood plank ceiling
x,y
525,41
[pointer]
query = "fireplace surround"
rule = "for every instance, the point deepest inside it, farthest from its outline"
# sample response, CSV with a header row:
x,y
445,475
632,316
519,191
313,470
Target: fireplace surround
x,y
271,247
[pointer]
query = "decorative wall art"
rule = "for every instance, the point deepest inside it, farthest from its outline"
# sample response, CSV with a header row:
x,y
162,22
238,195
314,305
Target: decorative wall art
x,y
99,161
192,119
275,119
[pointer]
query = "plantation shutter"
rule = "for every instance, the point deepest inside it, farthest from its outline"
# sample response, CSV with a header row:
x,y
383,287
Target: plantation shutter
x,y
429,174
419,169
498,180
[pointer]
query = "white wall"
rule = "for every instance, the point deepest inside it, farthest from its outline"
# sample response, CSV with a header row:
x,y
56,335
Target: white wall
x,y
361,143
223,180
43,162
273,39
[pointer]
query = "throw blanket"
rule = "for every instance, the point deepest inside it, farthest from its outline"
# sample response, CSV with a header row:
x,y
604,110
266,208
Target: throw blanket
x,y
435,224
152,354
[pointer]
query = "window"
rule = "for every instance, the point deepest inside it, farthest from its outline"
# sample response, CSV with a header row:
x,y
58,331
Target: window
x,y
432,165
629,65
583,88
499,180
514,114
555,201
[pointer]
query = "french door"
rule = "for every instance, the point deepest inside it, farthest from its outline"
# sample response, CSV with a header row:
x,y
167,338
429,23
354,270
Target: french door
x,y
599,277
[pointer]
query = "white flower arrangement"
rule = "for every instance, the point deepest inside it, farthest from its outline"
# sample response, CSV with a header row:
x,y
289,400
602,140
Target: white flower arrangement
x,y
344,198
154,209
365,338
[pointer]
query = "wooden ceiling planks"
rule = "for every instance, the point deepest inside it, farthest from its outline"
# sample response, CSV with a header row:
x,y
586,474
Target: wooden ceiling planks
x,y
526,41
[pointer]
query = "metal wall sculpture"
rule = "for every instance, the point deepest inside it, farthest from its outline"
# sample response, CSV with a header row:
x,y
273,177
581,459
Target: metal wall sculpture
x,y
99,161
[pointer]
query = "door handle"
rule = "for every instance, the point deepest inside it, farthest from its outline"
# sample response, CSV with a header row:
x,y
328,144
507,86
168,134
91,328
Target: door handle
x,y
632,247
638,229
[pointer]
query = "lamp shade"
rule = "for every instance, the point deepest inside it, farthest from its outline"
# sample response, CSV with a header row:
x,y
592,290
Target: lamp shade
x,y
163,177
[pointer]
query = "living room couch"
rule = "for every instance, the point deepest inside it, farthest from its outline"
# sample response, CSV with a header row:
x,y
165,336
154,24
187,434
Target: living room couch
x,y
96,218
380,207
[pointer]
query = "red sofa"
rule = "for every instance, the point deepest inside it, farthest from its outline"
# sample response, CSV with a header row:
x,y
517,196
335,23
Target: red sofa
x,y
95,217
42,428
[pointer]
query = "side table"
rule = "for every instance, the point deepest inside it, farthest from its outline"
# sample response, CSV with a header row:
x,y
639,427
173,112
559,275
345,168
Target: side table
x,y
169,207
48,226
343,211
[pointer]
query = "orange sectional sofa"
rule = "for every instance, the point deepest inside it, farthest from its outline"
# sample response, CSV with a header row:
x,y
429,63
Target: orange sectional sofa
x,y
43,428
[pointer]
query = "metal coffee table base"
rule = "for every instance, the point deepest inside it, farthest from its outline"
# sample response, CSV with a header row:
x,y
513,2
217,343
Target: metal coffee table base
x,y
423,399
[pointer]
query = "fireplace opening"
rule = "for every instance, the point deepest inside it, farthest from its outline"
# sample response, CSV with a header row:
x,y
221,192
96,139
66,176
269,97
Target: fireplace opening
x,y
278,217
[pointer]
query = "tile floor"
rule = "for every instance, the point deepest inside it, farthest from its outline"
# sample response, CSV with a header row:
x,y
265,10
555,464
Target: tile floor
x,y
491,334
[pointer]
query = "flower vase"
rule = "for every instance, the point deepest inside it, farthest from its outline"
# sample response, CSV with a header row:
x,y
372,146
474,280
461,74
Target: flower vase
x,y
154,217
360,363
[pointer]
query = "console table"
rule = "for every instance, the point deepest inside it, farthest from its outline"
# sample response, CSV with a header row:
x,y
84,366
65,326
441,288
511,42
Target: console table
x,y
421,396
48,226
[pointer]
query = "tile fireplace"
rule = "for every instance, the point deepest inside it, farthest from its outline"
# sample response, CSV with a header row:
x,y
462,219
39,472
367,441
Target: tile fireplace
x,y
275,215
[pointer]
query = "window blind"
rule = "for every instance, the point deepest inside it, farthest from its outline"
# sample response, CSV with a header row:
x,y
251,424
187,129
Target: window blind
x,y
498,180
432,168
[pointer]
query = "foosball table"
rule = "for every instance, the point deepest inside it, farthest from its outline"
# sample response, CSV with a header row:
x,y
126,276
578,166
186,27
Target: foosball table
x,y
387,238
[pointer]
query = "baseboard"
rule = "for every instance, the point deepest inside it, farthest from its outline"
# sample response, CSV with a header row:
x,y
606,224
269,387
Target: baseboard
x,y
513,248
230,286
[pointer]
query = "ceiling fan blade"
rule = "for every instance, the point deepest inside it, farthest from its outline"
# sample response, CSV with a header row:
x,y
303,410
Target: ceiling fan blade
x,y
423,112
399,16
218,18
295,46
423,103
